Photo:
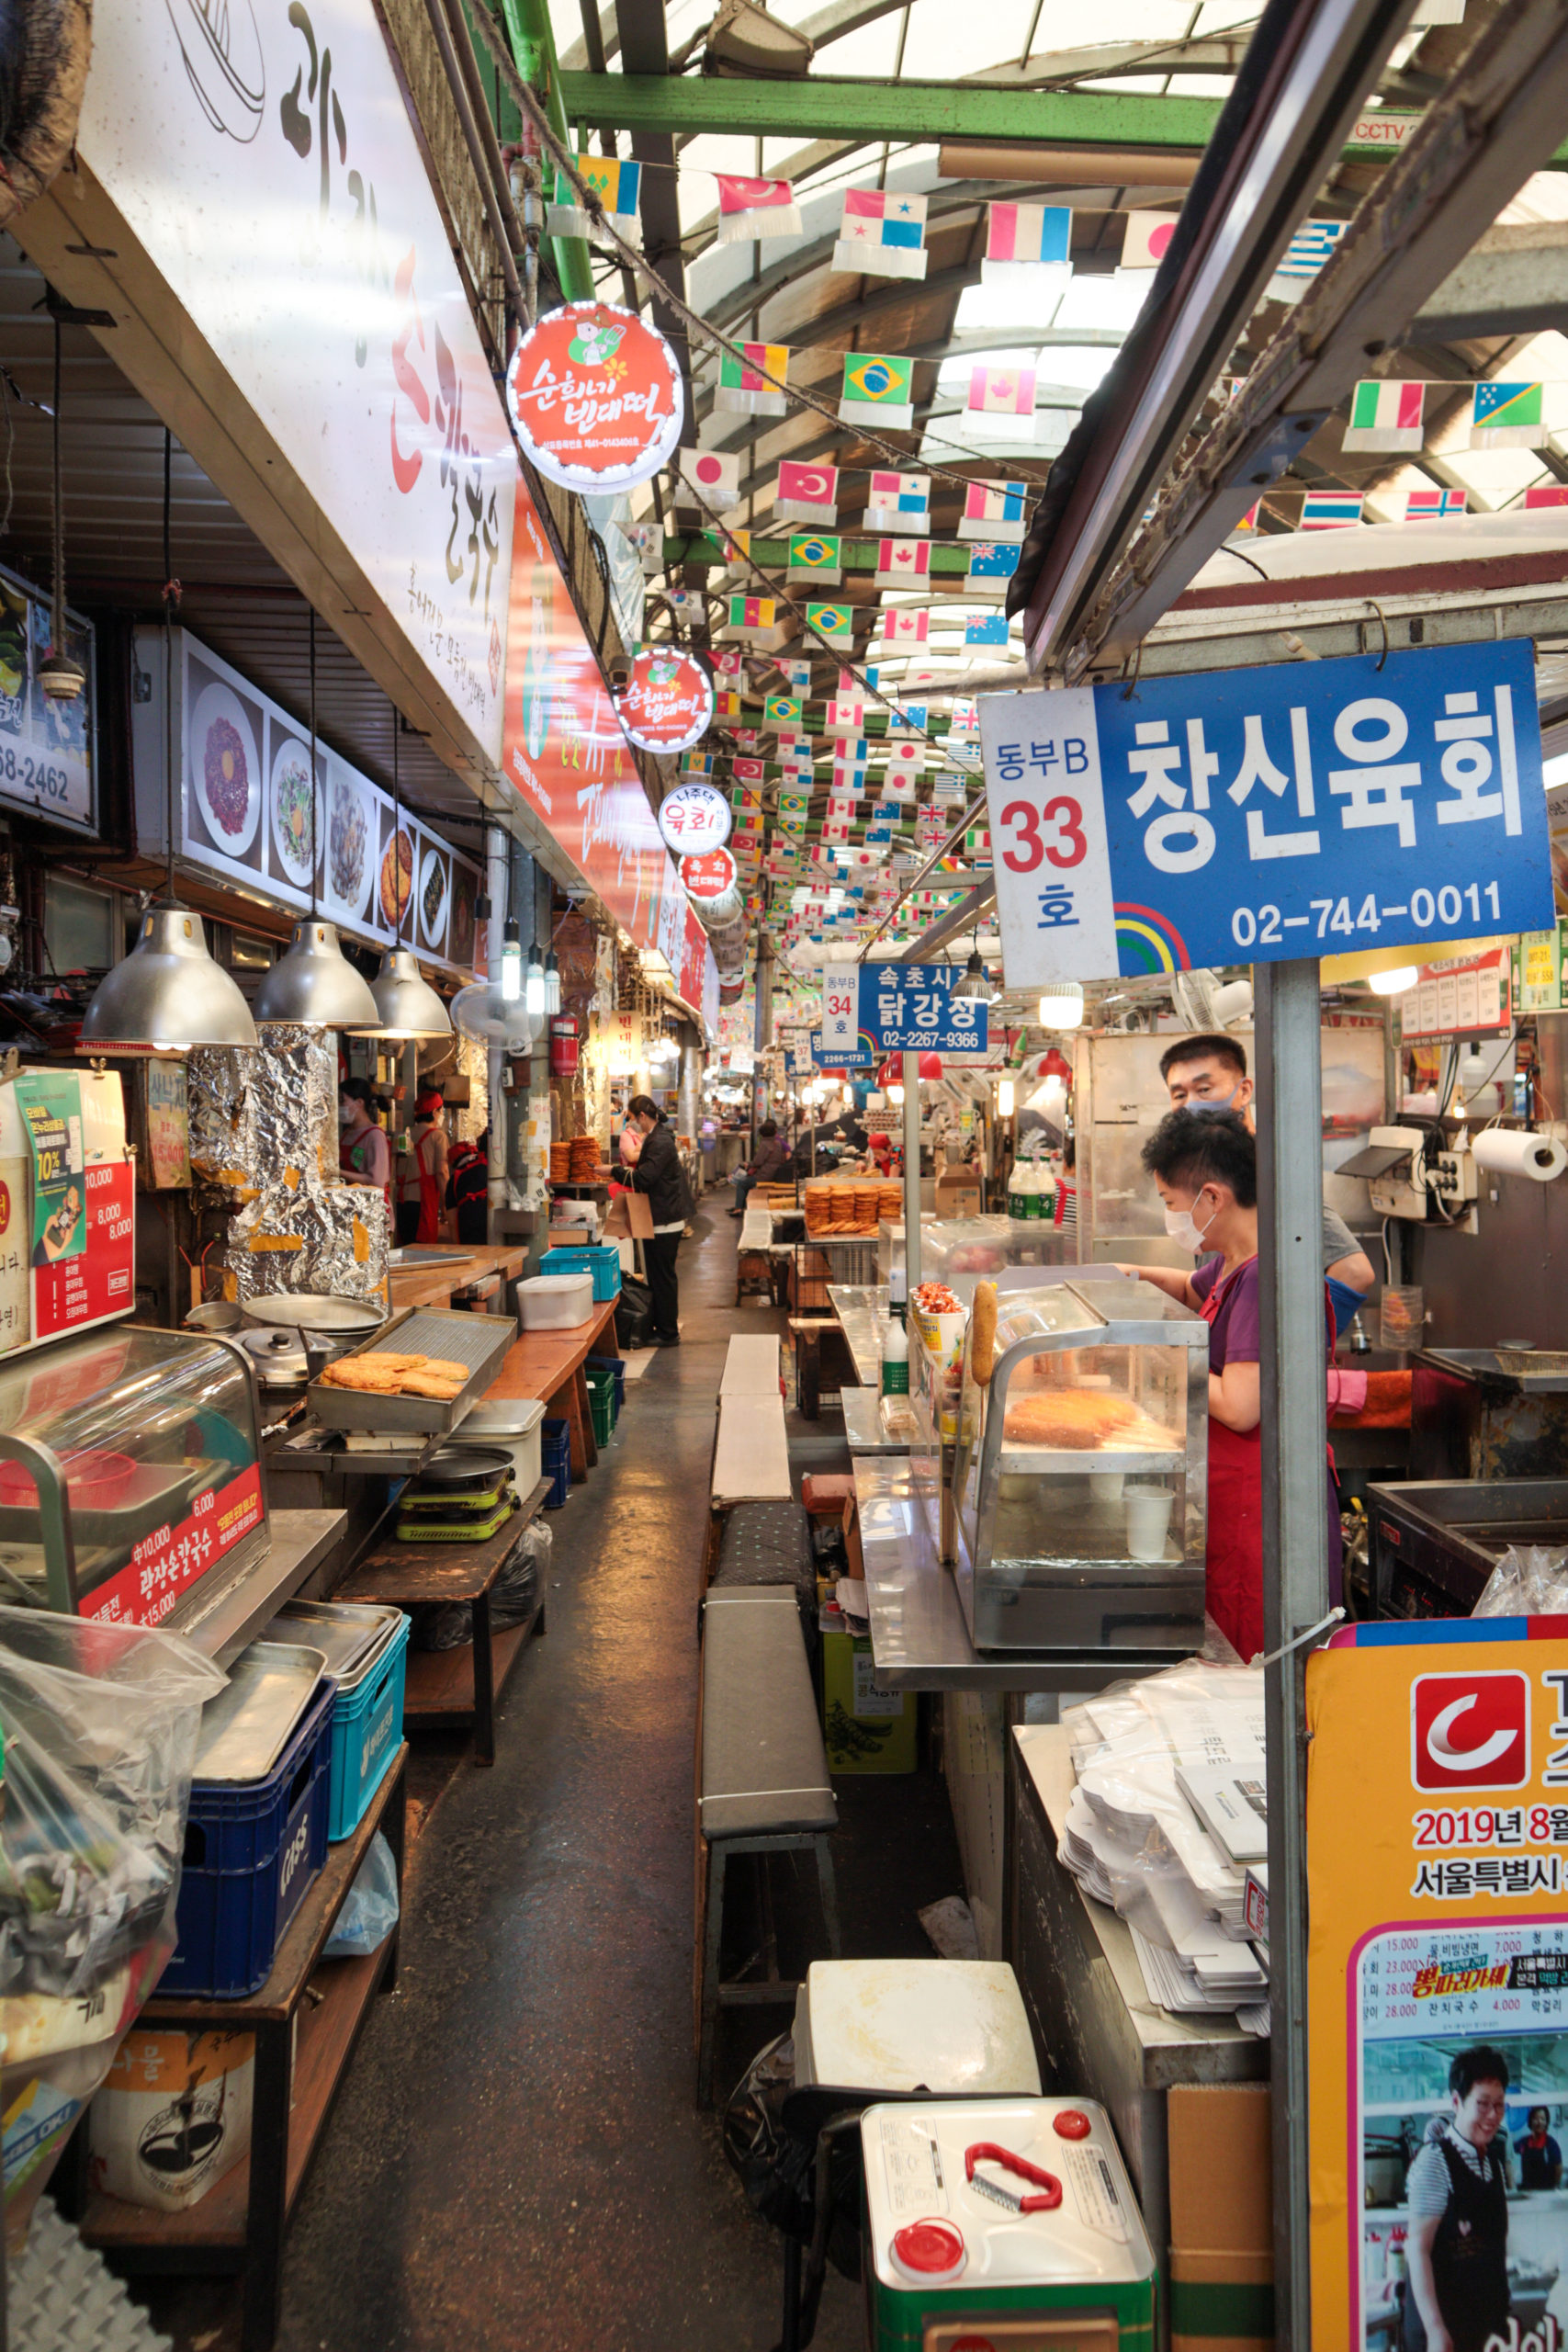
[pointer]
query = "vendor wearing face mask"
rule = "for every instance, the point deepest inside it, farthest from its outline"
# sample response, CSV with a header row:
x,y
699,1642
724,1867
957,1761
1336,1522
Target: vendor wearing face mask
x,y
1208,1076
1205,1171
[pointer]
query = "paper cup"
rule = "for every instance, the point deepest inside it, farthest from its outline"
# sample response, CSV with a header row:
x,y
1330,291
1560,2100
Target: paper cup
x,y
1148,1521
1106,1486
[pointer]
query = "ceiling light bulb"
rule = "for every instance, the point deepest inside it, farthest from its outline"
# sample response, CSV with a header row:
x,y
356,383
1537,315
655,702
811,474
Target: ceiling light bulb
x,y
534,982
1394,983
552,982
1061,1005
511,960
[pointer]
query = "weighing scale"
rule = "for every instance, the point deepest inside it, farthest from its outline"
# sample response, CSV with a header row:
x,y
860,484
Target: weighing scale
x,y
1001,2225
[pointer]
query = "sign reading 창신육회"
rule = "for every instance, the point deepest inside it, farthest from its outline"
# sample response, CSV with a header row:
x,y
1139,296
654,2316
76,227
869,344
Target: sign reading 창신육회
x,y
1308,809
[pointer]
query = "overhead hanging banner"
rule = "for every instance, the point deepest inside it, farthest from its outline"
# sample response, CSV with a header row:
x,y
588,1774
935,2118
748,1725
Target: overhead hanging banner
x,y
1304,810
48,749
1437,1985
667,707
597,397
898,1008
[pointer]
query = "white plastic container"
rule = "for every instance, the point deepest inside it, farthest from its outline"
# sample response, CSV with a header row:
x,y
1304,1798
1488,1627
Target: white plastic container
x,y
513,1422
555,1302
956,2026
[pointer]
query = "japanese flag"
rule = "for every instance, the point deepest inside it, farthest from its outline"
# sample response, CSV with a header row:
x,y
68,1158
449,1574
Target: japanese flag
x,y
1147,239
708,480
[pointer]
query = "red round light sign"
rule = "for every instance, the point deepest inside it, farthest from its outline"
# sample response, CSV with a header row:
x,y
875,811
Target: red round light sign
x,y
595,395
667,707
709,876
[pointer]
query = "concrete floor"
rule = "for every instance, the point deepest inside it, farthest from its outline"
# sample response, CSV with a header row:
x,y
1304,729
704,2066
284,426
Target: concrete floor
x,y
514,2157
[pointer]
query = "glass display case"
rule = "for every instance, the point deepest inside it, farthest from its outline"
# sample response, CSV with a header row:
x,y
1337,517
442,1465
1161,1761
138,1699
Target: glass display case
x,y
131,1482
1079,1485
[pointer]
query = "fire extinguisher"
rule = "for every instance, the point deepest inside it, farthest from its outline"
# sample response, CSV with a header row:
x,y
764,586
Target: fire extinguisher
x,y
563,1046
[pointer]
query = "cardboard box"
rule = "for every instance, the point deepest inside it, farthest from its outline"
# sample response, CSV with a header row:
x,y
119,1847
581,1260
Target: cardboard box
x,y
866,1730
1222,2222
957,1194
852,1552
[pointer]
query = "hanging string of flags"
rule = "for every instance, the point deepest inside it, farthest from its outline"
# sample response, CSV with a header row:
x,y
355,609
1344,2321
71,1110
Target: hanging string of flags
x,y
1387,415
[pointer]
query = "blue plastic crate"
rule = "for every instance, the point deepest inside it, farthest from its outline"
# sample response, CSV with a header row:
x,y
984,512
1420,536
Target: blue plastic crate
x,y
602,1262
252,1850
616,1364
367,1724
555,1461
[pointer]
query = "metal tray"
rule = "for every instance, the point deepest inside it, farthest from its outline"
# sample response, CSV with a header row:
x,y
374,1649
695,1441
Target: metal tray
x,y
480,1341
347,1633
246,1728
413,1255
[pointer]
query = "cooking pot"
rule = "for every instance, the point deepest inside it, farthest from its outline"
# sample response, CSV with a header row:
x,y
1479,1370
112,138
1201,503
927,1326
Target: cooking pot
x,y
282,1366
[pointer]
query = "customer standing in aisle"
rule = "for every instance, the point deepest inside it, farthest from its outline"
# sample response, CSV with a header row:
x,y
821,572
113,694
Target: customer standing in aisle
x,y
659,1174
1205,1171
1208,1076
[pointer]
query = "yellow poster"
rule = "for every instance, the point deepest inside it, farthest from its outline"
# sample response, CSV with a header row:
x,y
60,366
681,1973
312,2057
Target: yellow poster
x,y
1438,1986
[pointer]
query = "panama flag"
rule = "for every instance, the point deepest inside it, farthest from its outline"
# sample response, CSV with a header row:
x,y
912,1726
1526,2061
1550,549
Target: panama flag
x,y
883,233
796,676
708,480
742,376
1547,494
986,629
755,209
992,565
901,562
816,555
879,392
834,622
1437,505
1027,236
900,502
1001,391
1507,416
1148,236
905,628
1385,414
993,510
613,181
1330,510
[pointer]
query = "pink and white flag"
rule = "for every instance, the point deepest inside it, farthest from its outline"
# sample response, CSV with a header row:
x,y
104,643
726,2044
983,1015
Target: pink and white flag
x,y
905,627
807,494
1001,391
750,207
902,563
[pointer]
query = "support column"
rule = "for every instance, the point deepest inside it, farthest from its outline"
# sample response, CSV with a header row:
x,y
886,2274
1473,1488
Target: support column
x,y
1295,1557
498,1192
912,1172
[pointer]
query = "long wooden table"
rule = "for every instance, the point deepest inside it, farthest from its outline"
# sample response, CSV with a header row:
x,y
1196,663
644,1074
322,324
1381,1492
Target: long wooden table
x,y
549,1365
433,1285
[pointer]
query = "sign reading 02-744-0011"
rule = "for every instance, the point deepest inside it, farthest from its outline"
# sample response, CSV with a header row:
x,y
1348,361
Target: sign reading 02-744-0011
x,y
1312,809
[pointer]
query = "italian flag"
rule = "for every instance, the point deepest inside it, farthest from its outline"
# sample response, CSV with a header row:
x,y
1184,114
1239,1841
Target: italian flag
x,y
1386,416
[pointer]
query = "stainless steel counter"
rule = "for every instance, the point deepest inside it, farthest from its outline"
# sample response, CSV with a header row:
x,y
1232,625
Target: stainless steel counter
x,y
301,1540
863,1423
860,1308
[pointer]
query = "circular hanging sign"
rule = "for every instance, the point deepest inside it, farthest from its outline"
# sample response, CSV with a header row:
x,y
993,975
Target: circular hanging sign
x,y
596,398
667,706
694,817
709,877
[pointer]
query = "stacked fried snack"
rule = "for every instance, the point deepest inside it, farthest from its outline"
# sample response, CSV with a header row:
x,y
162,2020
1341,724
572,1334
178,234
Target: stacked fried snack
x,y
382,1372
1080,1419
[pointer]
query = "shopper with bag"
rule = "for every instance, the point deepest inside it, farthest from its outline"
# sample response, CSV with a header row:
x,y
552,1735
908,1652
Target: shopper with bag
x,y
660,1175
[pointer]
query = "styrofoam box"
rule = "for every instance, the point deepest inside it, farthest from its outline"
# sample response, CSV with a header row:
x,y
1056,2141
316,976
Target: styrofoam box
x,y
511,1421
555,1302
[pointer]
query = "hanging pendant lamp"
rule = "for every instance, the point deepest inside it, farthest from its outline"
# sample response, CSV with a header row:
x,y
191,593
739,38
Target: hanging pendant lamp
x,y
167,995
314,984
61,678
407,1009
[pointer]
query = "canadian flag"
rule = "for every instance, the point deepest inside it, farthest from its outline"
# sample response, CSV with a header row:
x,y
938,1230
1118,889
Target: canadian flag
x,y
1001,391
905,628
901,561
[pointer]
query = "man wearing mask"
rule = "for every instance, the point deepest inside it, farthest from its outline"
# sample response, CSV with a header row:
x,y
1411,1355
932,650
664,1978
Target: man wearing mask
x,y
1208,1076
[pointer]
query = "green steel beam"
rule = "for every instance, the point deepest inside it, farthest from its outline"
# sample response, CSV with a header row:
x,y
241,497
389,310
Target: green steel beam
x,y
922,113
534,54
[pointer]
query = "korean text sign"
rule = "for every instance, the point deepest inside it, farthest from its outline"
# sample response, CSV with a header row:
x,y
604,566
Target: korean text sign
x,y
1437,1982
899,1008
1309,808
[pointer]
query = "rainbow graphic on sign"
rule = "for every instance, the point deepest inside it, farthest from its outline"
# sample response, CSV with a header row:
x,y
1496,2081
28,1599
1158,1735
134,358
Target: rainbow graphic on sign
x,y
1149,941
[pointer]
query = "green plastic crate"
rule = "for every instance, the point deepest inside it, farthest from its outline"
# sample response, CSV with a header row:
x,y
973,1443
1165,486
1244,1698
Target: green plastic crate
x,y
602,1405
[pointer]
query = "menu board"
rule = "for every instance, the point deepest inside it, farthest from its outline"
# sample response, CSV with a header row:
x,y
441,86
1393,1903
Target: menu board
x,y
67,1206
1464,996
45,748
249,811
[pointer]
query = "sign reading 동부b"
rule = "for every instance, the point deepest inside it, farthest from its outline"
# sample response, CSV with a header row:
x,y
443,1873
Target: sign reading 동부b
x,y
899,1008
1310,808
1437,1985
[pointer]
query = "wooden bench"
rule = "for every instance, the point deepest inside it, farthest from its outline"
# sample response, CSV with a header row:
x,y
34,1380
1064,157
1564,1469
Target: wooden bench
x,y
762,1787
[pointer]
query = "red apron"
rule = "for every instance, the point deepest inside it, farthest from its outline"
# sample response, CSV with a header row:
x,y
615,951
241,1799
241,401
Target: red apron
x,y
1233,1564
430,1203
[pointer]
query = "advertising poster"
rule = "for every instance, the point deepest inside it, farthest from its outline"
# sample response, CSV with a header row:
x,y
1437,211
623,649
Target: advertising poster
x,y
46,747
566,756
1438,1986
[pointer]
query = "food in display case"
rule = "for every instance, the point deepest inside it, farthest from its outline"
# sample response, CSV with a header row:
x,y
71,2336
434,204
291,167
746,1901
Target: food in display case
x,y
130,1482
1080,1470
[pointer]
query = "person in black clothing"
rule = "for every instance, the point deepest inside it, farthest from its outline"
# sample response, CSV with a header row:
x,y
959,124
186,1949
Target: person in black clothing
x,y
467,1189
766,1166
659,1175
1456,2294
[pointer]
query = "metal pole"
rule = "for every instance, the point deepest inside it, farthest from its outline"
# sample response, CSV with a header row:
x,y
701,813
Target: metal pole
x,y
911,1173
1295,1557
497,1189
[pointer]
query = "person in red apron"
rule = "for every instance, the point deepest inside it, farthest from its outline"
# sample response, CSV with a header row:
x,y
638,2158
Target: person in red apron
x,y
1205,1171
422,1190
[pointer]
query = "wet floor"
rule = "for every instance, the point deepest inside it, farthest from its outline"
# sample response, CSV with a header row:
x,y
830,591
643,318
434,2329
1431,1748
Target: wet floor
x,y
514,2158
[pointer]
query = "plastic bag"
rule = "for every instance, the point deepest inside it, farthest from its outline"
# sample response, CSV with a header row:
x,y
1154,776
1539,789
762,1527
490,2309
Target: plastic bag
x,y
1529,1583
447,1624
370,1909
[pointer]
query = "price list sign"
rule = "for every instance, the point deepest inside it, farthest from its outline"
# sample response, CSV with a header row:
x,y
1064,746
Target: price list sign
x,y
1438,1984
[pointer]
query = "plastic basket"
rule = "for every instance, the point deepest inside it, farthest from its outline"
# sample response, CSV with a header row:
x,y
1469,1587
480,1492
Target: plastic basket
x,y
367,1724
601,1261
555,1459
616,1364
252,1850
601,1406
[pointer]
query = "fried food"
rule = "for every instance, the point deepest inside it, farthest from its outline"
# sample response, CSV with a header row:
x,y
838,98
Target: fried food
x,y
983,1350
429,1384
441,1367
1073,1420
376,1380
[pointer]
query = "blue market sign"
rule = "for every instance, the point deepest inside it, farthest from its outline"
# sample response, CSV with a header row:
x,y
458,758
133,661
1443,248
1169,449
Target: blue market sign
x,y
898,1008
859,1055
1312,809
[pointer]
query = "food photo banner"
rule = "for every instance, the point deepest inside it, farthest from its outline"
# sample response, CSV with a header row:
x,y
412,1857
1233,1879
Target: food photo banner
x,y
47,748
245,812
1305,809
